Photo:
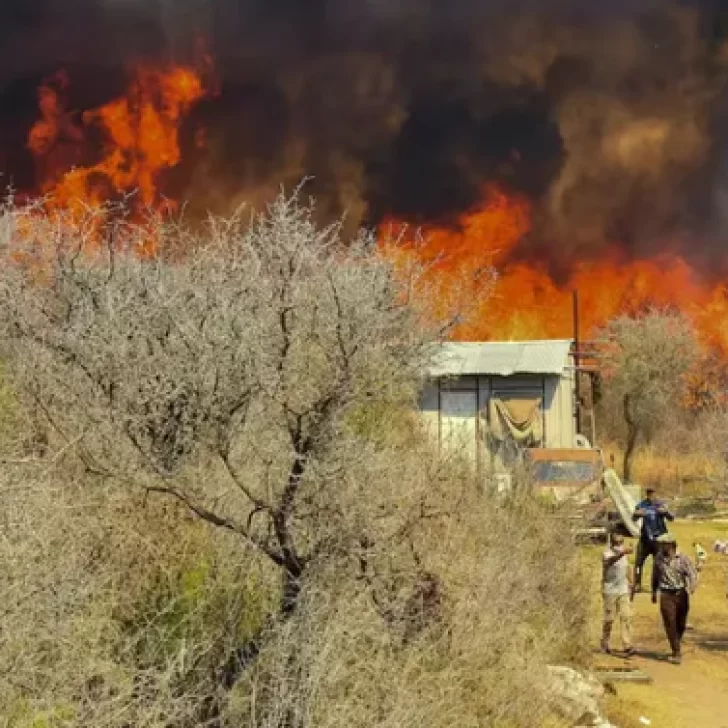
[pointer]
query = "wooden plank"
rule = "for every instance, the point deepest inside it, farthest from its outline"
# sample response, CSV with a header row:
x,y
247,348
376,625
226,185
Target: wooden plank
x,y
623,674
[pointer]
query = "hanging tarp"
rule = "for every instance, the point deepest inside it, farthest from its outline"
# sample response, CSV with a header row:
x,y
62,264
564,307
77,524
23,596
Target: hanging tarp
x,y
516,418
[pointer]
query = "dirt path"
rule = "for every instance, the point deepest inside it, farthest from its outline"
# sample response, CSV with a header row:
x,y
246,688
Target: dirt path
x,y
692,695
697,701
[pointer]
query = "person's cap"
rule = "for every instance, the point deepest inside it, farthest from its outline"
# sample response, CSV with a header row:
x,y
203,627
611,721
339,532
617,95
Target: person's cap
x,y
649,490
666,538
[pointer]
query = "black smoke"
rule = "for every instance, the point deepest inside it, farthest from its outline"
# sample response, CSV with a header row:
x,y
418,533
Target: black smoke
x,y
610,117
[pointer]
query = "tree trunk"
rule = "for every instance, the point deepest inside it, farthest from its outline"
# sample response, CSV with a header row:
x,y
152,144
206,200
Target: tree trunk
x,y
292,571
243,657
291,591
632,436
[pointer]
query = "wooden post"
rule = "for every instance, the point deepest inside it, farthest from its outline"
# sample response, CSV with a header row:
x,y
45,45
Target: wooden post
x,y
577,361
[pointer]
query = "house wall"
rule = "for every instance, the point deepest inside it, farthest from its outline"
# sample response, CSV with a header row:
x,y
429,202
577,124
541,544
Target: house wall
x,y
560,414
450,409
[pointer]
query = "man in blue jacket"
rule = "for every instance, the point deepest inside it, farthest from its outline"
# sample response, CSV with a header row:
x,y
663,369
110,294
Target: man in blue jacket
x,y
654,514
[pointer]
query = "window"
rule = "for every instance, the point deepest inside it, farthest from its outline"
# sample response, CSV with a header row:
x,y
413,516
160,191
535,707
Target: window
x,y
555,471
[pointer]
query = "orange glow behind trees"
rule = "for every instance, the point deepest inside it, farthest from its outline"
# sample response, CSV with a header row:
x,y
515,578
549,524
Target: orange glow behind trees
x,y
135,139
526,301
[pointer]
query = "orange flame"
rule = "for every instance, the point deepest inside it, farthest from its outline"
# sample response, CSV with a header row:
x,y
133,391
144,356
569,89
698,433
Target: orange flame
x,y
527,303
140,133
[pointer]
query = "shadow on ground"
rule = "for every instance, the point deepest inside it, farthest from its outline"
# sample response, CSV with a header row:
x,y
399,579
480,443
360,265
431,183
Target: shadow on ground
x,y
717,643
652,655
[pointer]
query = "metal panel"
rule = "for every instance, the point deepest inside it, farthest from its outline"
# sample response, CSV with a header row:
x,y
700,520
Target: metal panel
x,y
458,426
428,398
559,405
429,406
553,417
457,384
517,382
485,457
502,358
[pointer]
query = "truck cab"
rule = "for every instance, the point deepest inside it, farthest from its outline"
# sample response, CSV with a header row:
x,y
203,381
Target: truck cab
x,y
593,499
562,474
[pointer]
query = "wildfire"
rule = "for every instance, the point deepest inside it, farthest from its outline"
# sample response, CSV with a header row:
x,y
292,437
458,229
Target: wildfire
x,y
139,135
527,303
120,151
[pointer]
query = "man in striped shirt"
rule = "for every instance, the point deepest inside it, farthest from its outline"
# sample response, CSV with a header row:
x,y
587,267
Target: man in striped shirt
x,y
675,578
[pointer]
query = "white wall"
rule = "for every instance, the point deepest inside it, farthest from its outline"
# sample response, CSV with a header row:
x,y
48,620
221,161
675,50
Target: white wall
x,y
450,410
560,420
430,408
459,423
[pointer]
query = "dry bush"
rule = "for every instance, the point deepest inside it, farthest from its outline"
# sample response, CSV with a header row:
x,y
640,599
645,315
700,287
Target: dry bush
x,y
508,601
113,611
118,611
223,378
222,371
234,518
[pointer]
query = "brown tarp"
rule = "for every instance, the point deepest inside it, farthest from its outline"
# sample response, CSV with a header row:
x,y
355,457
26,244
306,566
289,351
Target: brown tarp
x,y
517,418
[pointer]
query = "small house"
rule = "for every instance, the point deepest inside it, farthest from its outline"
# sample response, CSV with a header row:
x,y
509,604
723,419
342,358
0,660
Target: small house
x,y
491,401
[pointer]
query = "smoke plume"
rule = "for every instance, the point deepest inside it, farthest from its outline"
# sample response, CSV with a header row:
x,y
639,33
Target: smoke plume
x,y
611,120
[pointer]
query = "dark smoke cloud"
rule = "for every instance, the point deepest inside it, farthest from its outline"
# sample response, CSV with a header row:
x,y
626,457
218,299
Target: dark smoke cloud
x,y
610,117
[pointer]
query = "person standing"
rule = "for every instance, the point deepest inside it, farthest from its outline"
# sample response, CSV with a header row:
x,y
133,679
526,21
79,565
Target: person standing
x,y
654,514
616,592
701,557
675,578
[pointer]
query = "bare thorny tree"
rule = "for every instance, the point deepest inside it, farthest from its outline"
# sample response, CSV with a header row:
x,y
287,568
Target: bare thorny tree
x,y
225,376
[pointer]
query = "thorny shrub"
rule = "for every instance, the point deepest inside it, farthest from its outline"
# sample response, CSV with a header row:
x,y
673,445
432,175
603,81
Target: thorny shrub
x,y
224,512
118,611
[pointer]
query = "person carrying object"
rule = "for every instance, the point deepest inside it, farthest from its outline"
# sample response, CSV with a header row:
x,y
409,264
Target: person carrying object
x,y
616,593
675,578
654,514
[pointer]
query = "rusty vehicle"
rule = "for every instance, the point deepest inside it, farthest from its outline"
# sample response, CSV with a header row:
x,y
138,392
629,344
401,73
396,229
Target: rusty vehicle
x,y
567,474
589,495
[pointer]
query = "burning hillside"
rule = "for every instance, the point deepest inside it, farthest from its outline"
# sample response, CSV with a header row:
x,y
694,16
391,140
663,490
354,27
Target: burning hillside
x,y
529,302
571,147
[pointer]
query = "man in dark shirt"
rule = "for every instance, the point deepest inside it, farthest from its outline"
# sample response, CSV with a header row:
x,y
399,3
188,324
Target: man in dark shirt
x,y
654,514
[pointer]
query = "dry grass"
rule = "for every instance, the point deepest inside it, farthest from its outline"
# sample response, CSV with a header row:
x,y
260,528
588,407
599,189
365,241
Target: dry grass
x,y
112,609
512,602
115,611
674,473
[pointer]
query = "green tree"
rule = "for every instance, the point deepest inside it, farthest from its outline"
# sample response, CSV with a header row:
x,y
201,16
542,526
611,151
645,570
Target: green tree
x,y
645,361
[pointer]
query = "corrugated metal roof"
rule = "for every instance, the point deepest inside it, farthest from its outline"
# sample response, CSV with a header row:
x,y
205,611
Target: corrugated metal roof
x,y
502,358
